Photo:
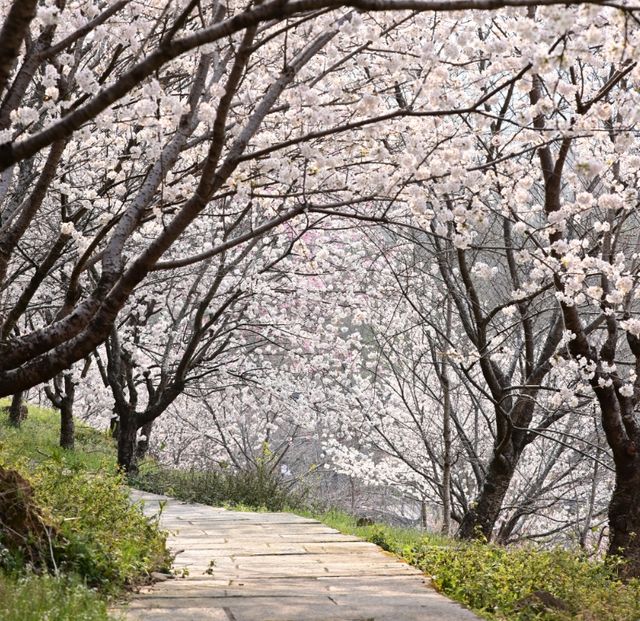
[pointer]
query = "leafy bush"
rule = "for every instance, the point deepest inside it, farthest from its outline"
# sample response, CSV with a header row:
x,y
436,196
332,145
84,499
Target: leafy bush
x,y
257,488
528,583
105,540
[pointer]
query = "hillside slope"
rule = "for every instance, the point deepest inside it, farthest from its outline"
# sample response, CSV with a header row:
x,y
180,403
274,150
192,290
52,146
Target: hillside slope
x,y
91,544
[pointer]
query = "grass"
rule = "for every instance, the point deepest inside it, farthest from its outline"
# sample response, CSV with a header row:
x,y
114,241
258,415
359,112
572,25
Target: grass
x,y
34,598
389,537
37,440
102,544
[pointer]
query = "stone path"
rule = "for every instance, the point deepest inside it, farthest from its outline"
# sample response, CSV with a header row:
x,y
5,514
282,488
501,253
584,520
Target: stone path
x,y
280,567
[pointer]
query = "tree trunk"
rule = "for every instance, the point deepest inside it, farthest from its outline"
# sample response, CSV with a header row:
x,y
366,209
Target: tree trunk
x,y
16,412
127,432
480,520
447,458
142,447
624,517
114,426
352,487
588,518
67,425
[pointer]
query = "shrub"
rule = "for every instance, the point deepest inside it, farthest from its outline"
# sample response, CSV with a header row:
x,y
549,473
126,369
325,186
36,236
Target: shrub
x,y
104,539
527,583
500,584
256,488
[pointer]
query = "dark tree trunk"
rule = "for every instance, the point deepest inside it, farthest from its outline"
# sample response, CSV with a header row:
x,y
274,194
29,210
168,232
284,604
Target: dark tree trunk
x,y
127,432
62,395
67,425
480,520
142,447
447,458
16,412
114,426
508,527
624,516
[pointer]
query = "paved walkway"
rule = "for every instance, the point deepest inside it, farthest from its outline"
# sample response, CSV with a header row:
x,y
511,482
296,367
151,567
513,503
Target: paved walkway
x,y
280,567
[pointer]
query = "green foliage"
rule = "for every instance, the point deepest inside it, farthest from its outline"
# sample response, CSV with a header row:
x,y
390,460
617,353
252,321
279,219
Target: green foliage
x,y
527,583
254,488
38,436
34,598
105,540
394,539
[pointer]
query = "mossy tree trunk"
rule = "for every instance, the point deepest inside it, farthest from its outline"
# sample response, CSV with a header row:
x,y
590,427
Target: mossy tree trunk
x,y
67,424
62,394
16,411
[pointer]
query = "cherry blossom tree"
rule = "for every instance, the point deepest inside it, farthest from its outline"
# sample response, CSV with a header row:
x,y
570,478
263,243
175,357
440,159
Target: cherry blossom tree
x,y
425,425
190,326
125,117
559,245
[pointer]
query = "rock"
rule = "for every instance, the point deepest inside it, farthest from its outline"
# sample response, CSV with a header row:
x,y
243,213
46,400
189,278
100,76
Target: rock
x,y
22,527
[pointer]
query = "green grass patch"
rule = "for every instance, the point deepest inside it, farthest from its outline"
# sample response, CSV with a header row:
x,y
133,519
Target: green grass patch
x,y
391,538
36,441
34,598
102,543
